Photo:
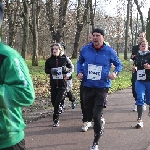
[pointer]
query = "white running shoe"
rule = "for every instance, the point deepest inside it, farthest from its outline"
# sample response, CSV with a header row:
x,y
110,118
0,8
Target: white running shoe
x,y
89,124
103,121
102,128
139,124
135,108
56,123
94,147
85,127
144,107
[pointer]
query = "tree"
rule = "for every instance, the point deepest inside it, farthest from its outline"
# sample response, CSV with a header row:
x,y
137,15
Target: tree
x,y
141,15
80,22
34,30
56,29
126,31
25,15
148,27
12,11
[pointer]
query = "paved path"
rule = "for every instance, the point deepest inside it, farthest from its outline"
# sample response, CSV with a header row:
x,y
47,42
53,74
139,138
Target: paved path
x,y
120,132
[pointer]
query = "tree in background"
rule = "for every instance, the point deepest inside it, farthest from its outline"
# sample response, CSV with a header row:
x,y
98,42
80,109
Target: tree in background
x,y
140,13
127,31
56,22
12,9
25,25
81,20
148,28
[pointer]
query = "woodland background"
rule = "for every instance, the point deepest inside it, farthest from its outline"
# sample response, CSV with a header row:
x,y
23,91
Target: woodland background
x,y
31,26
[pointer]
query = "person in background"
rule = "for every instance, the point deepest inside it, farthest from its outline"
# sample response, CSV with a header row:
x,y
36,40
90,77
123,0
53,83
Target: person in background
x,y
16,91
86,124
69,94
135,49
97,59
58,67
142,83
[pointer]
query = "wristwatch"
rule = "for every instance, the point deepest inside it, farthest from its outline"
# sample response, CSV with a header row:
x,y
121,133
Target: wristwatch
x,y
116,73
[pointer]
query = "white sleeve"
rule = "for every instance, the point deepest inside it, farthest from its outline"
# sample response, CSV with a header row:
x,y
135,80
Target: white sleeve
x,y
70,62
72,66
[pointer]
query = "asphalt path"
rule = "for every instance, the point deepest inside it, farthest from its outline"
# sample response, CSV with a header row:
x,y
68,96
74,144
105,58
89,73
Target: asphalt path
x,y
120,132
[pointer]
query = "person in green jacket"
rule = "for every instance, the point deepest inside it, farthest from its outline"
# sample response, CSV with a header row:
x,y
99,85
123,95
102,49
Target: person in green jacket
x,y
16,91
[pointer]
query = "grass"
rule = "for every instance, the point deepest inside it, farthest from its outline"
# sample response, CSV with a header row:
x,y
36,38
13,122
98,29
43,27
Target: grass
x,y
41,80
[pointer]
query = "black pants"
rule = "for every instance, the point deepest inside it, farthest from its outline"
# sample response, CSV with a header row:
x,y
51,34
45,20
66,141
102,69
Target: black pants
x,y
71,96
57,96
18,146
93,99
133,79
84,112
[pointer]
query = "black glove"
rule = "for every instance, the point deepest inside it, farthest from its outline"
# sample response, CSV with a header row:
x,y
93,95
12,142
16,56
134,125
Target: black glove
x,y
54,72
65,69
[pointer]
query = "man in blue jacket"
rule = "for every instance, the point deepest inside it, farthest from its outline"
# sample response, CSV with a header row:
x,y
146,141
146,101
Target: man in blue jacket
x,y
96,76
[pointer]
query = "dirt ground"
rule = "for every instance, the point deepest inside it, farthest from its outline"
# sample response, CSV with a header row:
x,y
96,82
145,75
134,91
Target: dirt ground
x,y
120,132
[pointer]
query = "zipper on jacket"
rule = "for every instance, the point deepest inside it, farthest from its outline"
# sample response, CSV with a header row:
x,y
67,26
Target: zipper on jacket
x,y
56,67
95,56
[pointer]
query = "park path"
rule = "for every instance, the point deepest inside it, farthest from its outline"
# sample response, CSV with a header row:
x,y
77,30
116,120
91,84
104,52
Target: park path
x,y
120,132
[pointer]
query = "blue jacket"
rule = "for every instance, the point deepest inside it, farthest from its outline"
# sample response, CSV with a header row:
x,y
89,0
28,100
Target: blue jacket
x,y
104,58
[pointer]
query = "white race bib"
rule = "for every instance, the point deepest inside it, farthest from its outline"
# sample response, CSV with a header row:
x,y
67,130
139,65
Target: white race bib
x,y
94,72
141,75
60,75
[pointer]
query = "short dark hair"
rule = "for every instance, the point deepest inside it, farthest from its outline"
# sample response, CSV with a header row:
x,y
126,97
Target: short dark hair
x,y
98,30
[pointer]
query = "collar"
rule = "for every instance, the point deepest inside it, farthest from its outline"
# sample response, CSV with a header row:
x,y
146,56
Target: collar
x,y
98,48
143,53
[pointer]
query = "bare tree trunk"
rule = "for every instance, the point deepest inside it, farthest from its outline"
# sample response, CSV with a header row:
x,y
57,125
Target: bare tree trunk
x,y
118,36
136,33
80,25
131,26
12,20
92,14
35,34
126,32
25,28
57,30
148,28
141,15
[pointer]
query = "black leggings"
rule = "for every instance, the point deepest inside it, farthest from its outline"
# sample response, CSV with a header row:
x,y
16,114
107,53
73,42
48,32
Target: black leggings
x,y
84,113
133,79
57,96
97,111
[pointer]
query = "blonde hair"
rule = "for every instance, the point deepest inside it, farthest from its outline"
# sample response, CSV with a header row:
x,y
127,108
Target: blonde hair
x,y
60,48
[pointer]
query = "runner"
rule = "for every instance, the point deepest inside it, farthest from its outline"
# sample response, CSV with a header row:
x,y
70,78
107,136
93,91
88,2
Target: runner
x,y
97,59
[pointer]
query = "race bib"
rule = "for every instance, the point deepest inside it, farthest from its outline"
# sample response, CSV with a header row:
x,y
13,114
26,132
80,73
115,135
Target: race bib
x,y
94,72
59,75
141,75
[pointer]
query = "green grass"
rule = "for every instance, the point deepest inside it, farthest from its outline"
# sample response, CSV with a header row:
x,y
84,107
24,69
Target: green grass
x,y
41,80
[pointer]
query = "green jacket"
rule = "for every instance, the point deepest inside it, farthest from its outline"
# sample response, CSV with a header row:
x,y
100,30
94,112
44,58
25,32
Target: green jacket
x,y
16,91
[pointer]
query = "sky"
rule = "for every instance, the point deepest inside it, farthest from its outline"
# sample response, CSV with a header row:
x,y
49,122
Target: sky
x,y
111,7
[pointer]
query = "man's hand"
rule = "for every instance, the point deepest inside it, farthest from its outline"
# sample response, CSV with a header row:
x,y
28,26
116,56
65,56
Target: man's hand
x,y
80,76
146,66
133,69
112,76
132,56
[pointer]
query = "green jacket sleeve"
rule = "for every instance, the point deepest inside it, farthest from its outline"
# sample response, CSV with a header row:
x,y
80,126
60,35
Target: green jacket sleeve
x,y
17,88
